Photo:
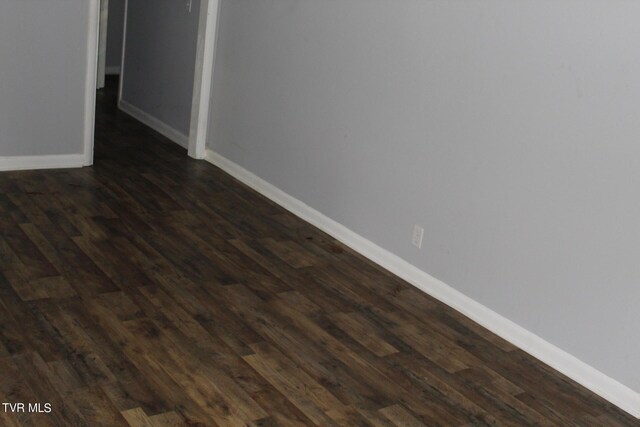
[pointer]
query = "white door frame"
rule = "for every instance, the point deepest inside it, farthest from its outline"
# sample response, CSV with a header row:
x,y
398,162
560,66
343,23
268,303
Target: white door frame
x,y
203,78
122,53
91,81
102,42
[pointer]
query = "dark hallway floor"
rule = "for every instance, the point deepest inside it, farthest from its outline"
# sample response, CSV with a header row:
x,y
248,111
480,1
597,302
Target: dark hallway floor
x,y
153,289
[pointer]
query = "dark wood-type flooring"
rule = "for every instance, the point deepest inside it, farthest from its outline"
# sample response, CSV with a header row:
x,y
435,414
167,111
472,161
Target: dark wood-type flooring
x,y
152,289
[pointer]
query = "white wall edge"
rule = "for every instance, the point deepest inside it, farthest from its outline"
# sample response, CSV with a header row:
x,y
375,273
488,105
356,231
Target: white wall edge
x,y
154,123
42,162
608,388
91,80
112,70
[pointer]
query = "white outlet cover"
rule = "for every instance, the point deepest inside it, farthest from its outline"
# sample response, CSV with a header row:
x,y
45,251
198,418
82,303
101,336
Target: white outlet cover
x,y
416,239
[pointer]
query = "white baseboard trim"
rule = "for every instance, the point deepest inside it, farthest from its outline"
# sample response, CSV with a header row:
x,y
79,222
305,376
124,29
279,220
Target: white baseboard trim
x,y
42,162
112,70
155,124
599,383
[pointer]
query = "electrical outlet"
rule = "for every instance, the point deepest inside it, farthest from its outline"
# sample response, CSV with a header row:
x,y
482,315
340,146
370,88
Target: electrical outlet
x,y
416,239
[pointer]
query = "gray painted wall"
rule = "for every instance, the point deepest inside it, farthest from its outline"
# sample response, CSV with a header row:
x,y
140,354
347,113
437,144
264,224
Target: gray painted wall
x,y
115,30
43,62
160,57
508,129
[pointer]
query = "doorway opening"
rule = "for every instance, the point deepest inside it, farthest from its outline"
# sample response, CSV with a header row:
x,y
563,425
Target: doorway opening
x,y
161,58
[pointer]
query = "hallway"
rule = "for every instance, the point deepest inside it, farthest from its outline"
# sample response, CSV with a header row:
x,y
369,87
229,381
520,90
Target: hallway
x,y
153,289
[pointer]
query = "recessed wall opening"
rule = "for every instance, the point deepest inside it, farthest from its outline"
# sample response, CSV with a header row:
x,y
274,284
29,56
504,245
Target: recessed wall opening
x,y
160,57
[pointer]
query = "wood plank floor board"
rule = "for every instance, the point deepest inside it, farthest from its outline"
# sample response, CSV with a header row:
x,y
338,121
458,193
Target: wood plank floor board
x,y
155,290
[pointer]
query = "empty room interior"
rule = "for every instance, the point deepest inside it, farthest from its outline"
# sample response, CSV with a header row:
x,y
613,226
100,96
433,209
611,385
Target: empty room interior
x,y
319,213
